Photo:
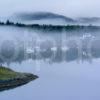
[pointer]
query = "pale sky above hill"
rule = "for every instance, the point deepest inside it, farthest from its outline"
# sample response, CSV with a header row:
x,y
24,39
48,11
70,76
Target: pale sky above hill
x,y
70,8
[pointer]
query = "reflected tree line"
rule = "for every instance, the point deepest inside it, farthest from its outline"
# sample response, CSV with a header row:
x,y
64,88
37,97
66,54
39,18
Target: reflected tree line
x,y
53,54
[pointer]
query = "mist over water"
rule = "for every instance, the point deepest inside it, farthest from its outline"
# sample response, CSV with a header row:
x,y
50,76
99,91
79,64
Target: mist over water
x,y
54,46
67,61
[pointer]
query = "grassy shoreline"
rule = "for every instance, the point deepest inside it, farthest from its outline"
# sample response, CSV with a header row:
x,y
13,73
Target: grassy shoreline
x,y
10,79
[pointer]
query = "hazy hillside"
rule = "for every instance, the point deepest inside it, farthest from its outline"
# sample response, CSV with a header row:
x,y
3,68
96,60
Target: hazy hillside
x,y
52,18
42,18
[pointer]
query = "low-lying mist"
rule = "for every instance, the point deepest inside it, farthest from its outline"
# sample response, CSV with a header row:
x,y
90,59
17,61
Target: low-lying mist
x,y
19,44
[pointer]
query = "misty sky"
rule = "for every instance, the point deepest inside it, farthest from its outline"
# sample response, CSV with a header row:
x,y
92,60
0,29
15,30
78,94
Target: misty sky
x,y
70,8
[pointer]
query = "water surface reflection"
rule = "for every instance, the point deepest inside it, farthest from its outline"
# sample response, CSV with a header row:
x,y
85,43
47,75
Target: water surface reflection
x,y
62,62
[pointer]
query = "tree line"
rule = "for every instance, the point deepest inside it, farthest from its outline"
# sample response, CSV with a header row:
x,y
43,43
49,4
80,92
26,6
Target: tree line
x,y
51,27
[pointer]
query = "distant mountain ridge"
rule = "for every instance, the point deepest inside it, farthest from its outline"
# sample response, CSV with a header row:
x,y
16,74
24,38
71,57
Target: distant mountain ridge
x,y
43,16
52,18
89,19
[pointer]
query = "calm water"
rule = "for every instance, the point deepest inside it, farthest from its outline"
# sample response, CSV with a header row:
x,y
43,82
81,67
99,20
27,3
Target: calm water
x,y
67,65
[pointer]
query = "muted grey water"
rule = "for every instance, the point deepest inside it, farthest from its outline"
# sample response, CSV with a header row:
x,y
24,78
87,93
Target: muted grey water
x,y
69,71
